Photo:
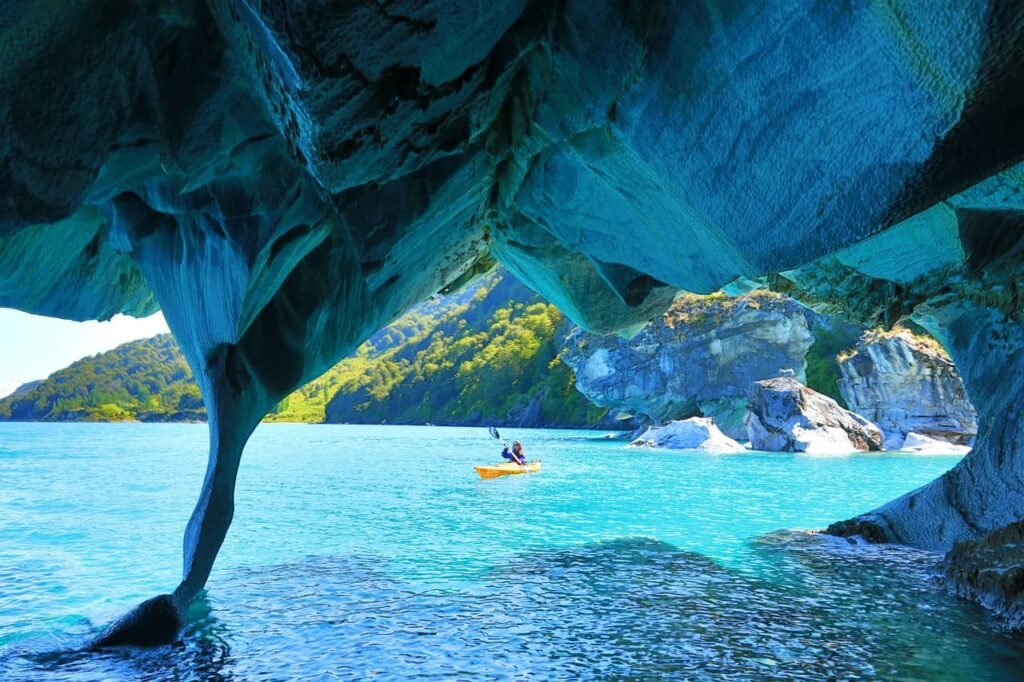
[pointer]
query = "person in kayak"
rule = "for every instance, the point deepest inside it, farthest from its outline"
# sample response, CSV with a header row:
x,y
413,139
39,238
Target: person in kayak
x,y
516,454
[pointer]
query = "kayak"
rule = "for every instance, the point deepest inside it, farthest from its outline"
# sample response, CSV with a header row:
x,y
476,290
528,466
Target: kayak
x,y
507,468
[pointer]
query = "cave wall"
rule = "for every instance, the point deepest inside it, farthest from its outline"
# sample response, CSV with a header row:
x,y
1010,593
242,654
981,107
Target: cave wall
x,y
961,284
284,177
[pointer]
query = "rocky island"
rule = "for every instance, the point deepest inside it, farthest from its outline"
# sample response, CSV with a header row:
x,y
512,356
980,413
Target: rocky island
x,y
907,384
697,359
282,180
784,415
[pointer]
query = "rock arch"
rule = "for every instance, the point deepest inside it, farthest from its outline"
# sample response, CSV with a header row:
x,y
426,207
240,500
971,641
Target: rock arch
x,y
282,178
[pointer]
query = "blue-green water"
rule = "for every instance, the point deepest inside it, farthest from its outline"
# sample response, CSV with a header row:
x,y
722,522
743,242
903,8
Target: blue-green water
x,y
362,551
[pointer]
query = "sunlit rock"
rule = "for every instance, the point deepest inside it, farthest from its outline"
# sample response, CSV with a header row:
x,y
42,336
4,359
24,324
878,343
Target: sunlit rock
x,y
699,358
695,433
906,383
923,445
785,416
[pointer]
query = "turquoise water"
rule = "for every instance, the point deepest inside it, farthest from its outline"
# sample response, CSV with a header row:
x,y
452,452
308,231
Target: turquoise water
x,y
376,551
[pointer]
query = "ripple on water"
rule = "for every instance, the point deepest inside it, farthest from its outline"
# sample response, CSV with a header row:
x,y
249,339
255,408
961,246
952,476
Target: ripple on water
x,y
815,609
340,564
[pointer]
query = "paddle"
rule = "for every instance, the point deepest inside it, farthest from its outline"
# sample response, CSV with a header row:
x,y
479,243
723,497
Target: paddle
x,y
497,436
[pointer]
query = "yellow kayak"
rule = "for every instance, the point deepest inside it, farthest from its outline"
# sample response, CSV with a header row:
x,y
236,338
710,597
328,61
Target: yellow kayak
x,y
507,468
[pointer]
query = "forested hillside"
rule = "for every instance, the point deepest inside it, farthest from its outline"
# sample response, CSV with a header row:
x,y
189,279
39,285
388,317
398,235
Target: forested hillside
x,y
490,356
145,380
484,354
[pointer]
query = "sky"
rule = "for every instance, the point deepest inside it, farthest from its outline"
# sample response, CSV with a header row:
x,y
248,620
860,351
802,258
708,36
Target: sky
x,y
33,347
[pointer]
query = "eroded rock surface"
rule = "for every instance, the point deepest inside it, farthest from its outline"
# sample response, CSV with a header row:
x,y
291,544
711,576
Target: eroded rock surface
x,y
905,383
961,287
699,358
284,178
695,433
783,415
990,570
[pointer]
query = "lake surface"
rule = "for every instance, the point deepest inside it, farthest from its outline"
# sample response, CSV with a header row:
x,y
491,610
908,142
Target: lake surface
x,y
376,551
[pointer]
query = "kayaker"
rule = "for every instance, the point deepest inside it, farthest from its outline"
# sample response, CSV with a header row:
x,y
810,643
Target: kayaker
x,y
516,455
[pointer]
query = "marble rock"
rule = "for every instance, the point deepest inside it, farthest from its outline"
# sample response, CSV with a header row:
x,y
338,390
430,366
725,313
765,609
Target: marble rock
x,y
695,433
697,359
785,416
906,383
921,444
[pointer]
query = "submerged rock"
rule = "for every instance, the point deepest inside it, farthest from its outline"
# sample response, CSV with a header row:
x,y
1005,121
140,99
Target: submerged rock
x,y
990,571
696,433
916,442
906,383
784,415
696,359
153,622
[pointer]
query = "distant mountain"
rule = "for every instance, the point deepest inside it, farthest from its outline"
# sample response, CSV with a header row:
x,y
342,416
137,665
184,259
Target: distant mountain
x,y
145,380
486,354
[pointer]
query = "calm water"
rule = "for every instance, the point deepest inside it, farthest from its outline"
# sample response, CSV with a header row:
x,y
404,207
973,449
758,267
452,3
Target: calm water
x,y
362,551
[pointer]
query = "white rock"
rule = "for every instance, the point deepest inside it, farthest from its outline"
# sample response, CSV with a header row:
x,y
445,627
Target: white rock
x,y
915,442
696,433
825,440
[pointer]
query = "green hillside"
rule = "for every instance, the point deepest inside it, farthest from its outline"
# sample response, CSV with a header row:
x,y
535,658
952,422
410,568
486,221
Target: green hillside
x,y
146,380
491,356
485,354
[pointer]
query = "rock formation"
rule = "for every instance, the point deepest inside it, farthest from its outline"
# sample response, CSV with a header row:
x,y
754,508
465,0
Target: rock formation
x,y
960,287
990,570
284,178
923,445
695,433
699,358
906,383
785,416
